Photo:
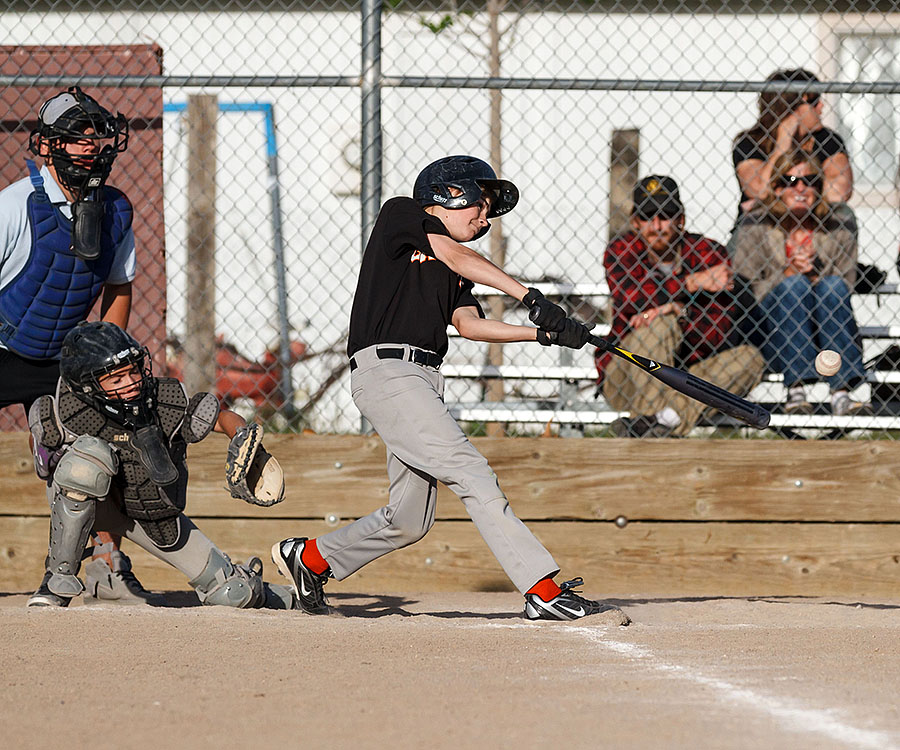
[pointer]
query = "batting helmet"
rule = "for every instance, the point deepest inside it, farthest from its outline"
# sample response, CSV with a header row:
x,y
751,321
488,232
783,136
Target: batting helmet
x,y
471,177
94,349
69,116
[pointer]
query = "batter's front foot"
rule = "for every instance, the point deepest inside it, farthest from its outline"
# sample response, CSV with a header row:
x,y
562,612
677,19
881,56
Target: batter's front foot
x,y
308,586
568,605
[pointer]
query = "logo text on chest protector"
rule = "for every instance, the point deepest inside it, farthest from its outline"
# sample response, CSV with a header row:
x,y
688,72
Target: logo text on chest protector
x,y
419,256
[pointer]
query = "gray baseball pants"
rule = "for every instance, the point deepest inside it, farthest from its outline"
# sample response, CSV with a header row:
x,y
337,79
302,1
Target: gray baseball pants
x,y
189,554
404,402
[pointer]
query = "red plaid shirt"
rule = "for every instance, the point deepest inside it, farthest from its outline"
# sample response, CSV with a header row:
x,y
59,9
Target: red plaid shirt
x,y
636,285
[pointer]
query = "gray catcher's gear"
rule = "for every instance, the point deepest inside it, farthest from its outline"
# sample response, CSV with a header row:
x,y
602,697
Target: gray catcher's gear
x,y
82,476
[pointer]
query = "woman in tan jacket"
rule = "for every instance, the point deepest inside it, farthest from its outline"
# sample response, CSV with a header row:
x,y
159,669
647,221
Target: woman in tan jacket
x,y
801,265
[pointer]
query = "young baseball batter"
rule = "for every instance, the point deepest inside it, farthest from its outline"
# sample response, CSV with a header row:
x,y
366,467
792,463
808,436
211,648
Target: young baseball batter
x,y
111,444
416,278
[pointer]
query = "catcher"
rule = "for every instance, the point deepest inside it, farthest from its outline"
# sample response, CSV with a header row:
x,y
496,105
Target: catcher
x,y
111,445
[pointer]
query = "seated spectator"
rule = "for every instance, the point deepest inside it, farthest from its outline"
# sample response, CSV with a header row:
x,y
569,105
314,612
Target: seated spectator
x,y
800,263
788,121
672,301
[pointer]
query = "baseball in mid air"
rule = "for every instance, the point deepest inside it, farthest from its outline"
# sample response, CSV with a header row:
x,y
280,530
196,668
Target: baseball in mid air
x,y
828,362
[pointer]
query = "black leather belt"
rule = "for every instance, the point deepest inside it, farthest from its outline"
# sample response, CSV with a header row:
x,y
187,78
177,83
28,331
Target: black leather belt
x,y
416,356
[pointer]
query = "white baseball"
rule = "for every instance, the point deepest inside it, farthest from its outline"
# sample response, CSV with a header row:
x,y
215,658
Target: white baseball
x,y
828,362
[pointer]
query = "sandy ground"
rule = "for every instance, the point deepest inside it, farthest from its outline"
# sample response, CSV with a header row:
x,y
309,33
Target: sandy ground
x,y
452,671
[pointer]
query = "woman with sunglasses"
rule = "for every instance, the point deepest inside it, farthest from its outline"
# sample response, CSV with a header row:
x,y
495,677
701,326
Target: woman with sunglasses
x,y
800,263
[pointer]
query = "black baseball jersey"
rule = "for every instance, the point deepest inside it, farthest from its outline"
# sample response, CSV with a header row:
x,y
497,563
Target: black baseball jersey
x,y
404,294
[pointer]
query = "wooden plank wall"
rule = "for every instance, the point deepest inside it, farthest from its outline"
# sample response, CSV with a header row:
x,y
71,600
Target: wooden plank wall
x,y
698,518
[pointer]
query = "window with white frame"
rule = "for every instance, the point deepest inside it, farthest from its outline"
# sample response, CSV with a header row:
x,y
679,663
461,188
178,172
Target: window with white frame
x,y
870,123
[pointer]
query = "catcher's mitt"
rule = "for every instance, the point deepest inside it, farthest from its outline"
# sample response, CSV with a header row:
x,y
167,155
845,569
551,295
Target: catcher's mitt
x,y
251,472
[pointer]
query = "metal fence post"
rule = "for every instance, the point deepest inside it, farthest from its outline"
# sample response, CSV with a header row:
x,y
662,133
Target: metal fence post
x,y
371,126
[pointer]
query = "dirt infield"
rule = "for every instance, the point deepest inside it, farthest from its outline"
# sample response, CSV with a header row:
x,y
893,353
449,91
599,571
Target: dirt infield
x,y
453,671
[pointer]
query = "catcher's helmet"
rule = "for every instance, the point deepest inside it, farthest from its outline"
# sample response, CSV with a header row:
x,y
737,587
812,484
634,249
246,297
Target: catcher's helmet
x,y
469,175
66,117
94,349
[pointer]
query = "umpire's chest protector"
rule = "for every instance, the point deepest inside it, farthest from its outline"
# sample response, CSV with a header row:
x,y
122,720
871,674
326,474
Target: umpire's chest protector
x,y
56,289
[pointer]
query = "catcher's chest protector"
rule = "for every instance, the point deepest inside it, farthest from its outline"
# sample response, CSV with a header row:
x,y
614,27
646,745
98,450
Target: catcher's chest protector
x,y
155,507
56,289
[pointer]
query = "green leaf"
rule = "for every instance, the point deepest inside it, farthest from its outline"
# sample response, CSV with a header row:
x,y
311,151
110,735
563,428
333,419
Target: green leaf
x,y
445,23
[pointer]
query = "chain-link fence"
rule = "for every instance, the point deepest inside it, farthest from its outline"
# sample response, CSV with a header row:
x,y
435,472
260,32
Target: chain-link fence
x,y
323,110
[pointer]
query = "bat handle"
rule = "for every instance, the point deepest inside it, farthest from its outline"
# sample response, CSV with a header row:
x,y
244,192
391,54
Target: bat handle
x,y
601,343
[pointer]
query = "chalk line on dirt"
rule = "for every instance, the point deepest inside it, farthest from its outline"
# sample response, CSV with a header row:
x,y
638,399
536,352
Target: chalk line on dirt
x,y
788,712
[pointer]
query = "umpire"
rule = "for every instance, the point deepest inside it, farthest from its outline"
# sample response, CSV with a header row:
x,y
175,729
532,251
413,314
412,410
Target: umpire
x,y
416,279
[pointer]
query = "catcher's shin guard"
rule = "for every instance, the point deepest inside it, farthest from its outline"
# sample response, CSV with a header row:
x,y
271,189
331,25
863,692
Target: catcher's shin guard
x,y
278,597
83,474
70,525
224,583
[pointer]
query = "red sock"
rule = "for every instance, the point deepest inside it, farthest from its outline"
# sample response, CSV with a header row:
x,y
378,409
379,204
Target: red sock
x,y
545,589
312,558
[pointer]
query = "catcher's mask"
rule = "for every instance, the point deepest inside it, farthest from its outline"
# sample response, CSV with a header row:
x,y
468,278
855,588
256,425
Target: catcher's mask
x,y
93,350
74,117
470,176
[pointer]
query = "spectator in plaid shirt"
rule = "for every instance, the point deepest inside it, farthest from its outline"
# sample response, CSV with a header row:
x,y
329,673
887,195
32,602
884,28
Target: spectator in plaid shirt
x,y
671,301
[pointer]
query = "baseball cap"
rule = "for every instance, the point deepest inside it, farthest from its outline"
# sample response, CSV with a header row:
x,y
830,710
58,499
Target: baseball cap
x,y
55,107
657,195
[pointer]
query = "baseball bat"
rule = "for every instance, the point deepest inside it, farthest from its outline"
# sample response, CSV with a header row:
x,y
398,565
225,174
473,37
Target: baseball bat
x,y
690,385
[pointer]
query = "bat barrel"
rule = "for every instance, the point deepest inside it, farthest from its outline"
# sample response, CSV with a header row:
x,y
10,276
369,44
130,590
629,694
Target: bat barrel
x,y
726,402
697,388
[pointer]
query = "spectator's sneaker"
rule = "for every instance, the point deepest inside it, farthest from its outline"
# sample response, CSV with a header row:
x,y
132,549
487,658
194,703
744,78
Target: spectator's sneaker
x,y
565,606
44,597
796,402
844,406
635,427
120,584
308,586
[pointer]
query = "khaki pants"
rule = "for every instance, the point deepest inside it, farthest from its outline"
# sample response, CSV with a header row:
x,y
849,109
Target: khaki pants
x,y
628,388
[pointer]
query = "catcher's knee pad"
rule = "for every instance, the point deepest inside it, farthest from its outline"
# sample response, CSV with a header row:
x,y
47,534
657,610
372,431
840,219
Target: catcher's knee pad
x,y
70,525
86,469
222,582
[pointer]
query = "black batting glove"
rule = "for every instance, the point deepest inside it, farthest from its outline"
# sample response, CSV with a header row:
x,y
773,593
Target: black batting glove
x,y
544,313
573,335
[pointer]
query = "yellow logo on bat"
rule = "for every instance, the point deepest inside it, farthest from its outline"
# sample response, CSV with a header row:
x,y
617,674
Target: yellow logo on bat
x,y
650,365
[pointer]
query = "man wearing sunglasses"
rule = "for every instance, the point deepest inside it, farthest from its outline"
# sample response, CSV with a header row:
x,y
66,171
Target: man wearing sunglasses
x,y
672,301
800,263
